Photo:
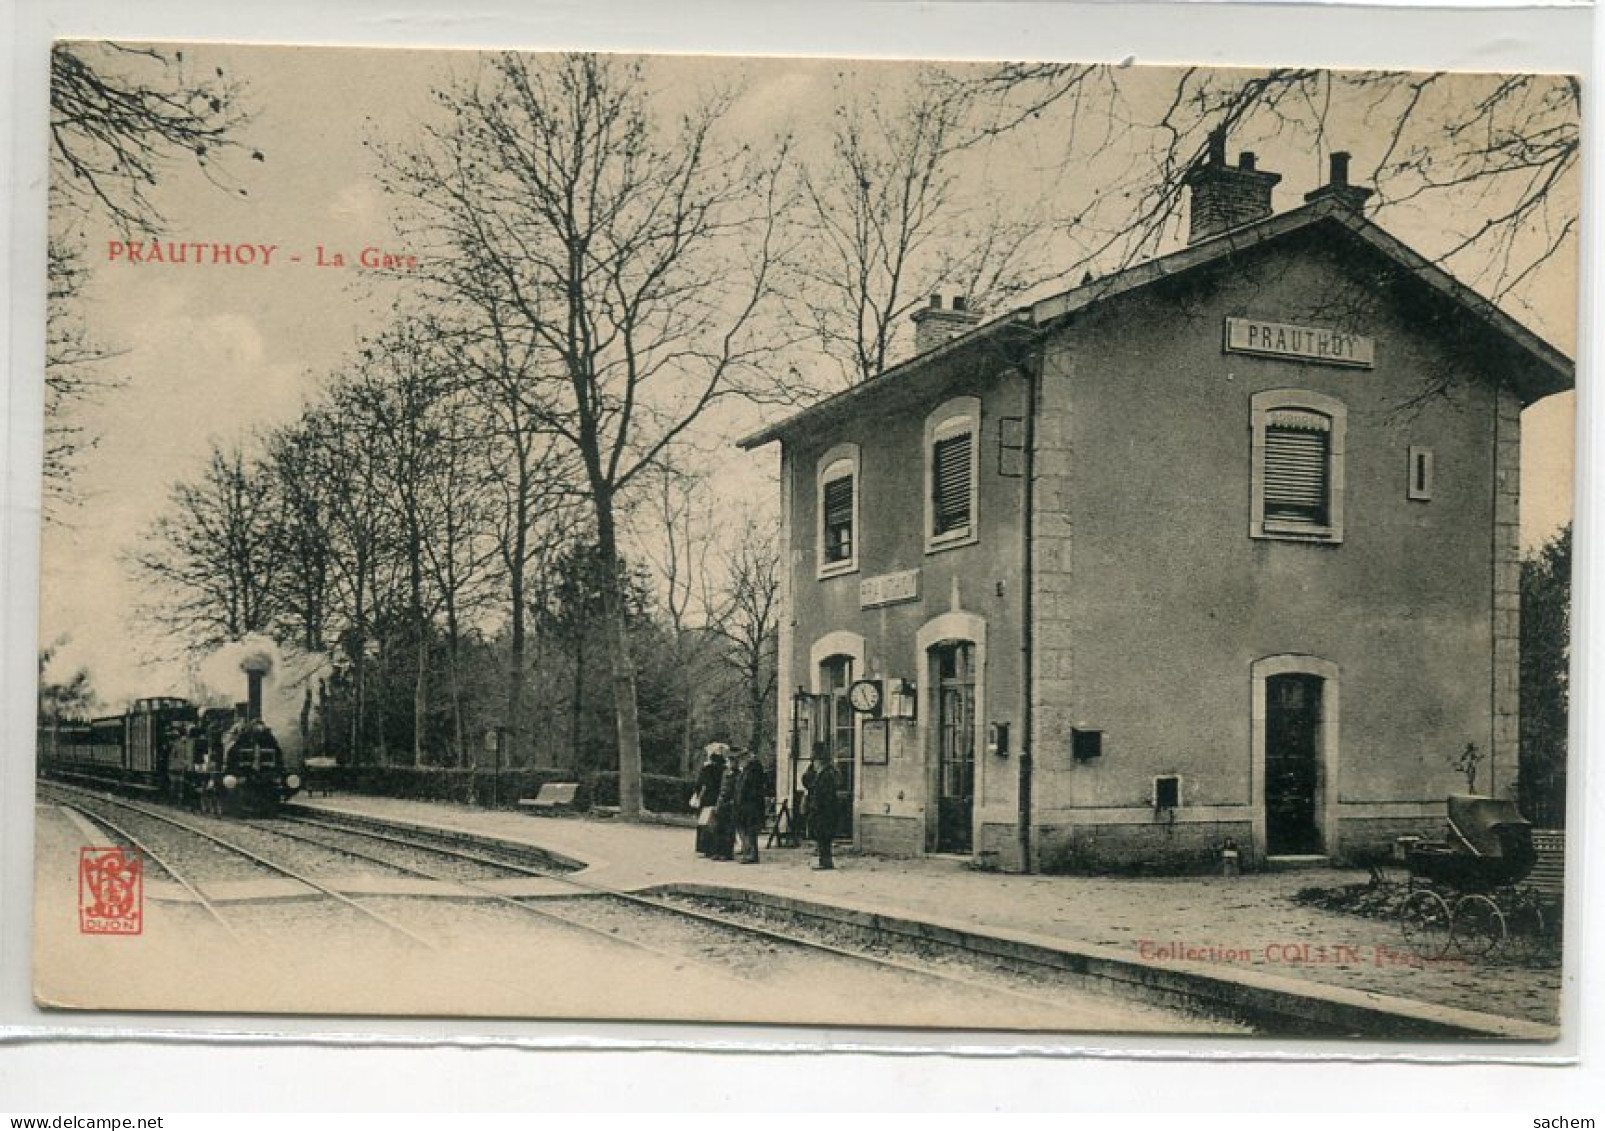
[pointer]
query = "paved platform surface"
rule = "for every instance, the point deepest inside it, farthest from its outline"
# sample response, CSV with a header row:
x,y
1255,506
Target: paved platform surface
x,y
1244,922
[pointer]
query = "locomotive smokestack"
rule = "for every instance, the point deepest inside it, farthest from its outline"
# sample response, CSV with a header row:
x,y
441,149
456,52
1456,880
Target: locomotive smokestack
x,y
256,667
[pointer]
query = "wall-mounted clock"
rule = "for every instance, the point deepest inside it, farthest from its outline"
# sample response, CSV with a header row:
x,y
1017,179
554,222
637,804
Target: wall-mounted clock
x,y
865,696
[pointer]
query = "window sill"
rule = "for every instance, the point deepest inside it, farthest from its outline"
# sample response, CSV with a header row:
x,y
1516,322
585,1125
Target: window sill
x,y
837,569
1318,534
952,540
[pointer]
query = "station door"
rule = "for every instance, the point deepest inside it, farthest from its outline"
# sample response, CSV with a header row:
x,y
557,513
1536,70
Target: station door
x,y
953,672
1292,764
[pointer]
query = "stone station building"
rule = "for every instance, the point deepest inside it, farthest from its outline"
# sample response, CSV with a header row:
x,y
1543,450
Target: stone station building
x,y
1220,548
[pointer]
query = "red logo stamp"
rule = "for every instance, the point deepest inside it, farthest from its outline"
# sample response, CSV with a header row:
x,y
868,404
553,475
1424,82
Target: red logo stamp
x,y
111,891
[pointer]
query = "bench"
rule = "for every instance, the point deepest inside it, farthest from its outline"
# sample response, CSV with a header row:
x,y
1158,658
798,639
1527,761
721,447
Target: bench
x,y
554,797
317,776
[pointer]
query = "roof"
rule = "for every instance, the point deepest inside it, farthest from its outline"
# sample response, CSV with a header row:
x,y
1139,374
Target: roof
x,y
1551,371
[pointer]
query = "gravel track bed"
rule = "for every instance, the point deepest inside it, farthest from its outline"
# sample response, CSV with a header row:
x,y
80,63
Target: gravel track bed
x,y
198,860
312,925
530,858
741,953
781,969
402,856
313,861
201,861
459,924
1043,983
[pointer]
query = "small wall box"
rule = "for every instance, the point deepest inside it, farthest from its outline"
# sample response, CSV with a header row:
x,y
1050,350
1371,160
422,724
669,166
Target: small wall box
x,y
1167,792
900,699
1086,744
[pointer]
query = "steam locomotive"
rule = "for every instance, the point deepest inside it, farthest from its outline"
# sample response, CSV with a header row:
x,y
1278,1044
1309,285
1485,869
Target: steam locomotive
x,y
219,759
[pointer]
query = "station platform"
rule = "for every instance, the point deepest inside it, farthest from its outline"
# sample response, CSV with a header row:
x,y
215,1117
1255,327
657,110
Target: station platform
x,y
1229,924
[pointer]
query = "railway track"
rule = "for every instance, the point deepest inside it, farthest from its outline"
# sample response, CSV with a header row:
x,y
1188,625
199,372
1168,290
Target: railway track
x,y
150,813
144,848
741,951
479,889
945,980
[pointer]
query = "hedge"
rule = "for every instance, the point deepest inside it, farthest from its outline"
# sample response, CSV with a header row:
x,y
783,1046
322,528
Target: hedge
x,y
659,793
487,789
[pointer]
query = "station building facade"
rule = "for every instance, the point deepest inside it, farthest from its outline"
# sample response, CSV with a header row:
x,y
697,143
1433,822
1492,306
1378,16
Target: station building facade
x,y
1223,548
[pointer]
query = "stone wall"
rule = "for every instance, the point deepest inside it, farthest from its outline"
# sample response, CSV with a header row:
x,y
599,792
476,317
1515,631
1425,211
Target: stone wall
x,y
1159,848
891,836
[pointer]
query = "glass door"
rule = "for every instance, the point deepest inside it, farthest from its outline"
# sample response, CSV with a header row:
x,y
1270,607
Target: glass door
x,y
954,670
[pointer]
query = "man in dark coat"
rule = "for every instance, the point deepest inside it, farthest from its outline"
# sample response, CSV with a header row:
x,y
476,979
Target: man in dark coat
x,y
752,793
821,782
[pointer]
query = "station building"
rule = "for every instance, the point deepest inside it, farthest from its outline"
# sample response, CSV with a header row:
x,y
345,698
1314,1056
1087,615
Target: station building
x,y
1220,548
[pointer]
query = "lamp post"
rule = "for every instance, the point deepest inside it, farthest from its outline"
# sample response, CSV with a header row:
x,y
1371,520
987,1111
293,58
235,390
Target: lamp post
x,y
493,747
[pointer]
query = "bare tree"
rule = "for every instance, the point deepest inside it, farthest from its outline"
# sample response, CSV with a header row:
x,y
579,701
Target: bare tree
x,y
1497,155
213,556
120,117
899,208
121,114
340,449
399,392
535,506
749,622
676,529
75,371
635,254
305,501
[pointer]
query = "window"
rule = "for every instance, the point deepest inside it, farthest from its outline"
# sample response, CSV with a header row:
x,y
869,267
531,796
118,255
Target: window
x,y
951,440
1421,469
1297,462
838,511
839,519
1298,467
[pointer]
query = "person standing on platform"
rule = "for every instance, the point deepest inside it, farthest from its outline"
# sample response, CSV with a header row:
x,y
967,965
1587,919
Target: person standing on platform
x,y
707,795
722,843
752,792
821,779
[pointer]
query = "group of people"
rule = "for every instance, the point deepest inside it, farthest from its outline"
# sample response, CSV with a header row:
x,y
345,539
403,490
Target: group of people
x,y
731,802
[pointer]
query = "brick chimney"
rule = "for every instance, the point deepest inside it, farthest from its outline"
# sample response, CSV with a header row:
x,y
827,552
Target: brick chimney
x,y
935,324
1337,186
1224,197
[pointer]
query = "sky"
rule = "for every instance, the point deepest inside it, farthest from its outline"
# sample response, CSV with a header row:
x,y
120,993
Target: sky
x,y
216,353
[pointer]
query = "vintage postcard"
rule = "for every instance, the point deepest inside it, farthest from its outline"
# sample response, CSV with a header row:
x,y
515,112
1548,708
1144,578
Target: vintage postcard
x,y
1026,545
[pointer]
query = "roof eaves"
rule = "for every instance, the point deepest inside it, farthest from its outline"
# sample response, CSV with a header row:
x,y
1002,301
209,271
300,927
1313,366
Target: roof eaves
x,y
1014,319
1194,255
1040,314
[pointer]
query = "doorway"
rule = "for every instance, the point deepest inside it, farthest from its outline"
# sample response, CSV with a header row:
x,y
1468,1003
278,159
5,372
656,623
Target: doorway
x,y
1293,742
841,739
953,675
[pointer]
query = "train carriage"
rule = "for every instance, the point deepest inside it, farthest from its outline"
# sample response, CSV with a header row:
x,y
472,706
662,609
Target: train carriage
x,y
223,760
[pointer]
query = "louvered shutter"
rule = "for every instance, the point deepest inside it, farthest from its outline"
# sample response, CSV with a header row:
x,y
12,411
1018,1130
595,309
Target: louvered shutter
x,y
839,519
1297,459
951,458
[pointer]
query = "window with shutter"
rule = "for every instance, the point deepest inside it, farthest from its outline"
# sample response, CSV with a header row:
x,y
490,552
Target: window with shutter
x,y
839,519
836,482
950,480
1298,466
1296,476
952,474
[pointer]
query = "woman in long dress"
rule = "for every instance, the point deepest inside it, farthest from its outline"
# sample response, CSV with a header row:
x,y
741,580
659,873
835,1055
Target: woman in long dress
x,y
708,781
